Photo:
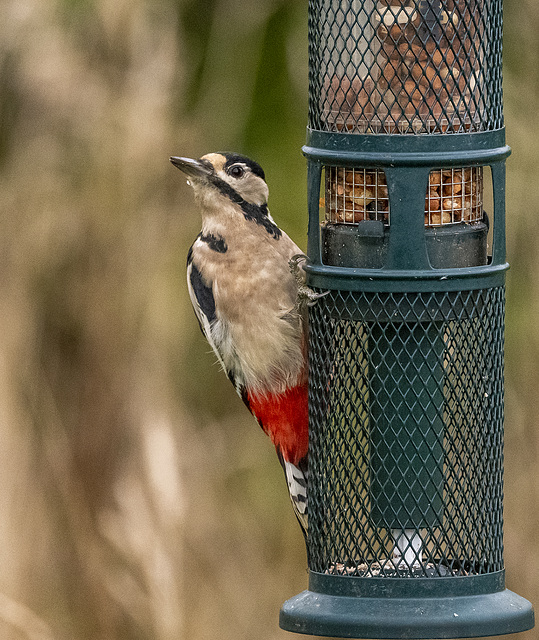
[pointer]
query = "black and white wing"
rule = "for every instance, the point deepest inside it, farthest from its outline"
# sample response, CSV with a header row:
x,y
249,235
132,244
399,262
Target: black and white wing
x,y
203,301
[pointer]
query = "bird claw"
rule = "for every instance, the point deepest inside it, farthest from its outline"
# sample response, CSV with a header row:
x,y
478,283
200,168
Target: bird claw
x,y
304,292
295,269
311,296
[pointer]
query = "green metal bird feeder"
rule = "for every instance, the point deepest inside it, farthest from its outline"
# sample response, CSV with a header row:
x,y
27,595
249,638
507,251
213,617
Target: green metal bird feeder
x,y
405,144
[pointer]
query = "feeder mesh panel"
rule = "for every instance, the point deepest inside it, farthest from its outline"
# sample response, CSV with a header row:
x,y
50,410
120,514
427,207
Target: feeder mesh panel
x,y
406,430
408,66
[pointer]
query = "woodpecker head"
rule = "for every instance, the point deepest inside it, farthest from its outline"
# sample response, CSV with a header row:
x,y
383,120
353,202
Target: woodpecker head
x,y
227,174
228,185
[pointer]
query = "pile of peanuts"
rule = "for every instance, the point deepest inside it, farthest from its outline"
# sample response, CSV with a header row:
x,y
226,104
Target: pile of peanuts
x,y
353,195
422,74
419,82
455,195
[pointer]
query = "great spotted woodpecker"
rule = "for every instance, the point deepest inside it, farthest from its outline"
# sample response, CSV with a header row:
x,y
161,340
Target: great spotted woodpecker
x,y
248,295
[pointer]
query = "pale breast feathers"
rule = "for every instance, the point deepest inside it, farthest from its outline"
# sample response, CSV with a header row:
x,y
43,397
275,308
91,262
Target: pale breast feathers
x,y
246,310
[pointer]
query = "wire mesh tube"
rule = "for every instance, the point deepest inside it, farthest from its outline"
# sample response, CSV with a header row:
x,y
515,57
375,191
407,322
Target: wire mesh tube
x,y
403,66
406,433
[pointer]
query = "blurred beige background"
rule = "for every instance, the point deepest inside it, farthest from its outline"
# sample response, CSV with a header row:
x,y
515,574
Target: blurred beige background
x,y
138,498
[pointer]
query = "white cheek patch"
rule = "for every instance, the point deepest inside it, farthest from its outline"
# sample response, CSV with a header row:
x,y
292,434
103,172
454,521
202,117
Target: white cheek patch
x,y
250,187
254,190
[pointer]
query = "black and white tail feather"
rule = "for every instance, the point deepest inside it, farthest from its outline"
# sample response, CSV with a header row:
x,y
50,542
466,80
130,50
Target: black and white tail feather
x,y
297,479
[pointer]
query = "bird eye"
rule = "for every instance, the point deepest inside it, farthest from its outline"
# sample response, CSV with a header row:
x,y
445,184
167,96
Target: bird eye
x,y
236,171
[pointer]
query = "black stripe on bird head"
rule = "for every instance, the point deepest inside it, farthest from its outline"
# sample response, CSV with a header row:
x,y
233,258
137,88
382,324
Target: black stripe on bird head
x,y
252,212
235,158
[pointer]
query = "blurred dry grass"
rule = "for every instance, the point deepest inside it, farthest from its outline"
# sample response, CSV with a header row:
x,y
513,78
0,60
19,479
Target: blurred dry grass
x,y
138,499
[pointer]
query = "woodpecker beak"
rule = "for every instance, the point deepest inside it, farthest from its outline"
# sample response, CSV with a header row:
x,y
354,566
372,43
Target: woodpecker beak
x,y
193,168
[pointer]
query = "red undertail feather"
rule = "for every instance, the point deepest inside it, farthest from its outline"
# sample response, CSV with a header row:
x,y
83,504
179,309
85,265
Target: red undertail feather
x,y
284,417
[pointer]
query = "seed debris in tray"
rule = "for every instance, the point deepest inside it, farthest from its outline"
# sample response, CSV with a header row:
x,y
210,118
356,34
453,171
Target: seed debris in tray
x,y
390,569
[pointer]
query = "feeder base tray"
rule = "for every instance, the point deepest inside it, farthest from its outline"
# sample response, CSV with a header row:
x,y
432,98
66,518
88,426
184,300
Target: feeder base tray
x,y
406,608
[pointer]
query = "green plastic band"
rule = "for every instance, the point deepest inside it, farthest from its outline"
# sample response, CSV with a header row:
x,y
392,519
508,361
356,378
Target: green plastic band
x,y
347,279
374,587
436,151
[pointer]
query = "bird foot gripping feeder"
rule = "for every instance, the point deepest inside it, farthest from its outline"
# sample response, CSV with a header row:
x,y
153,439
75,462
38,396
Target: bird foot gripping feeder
x,y
406,349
